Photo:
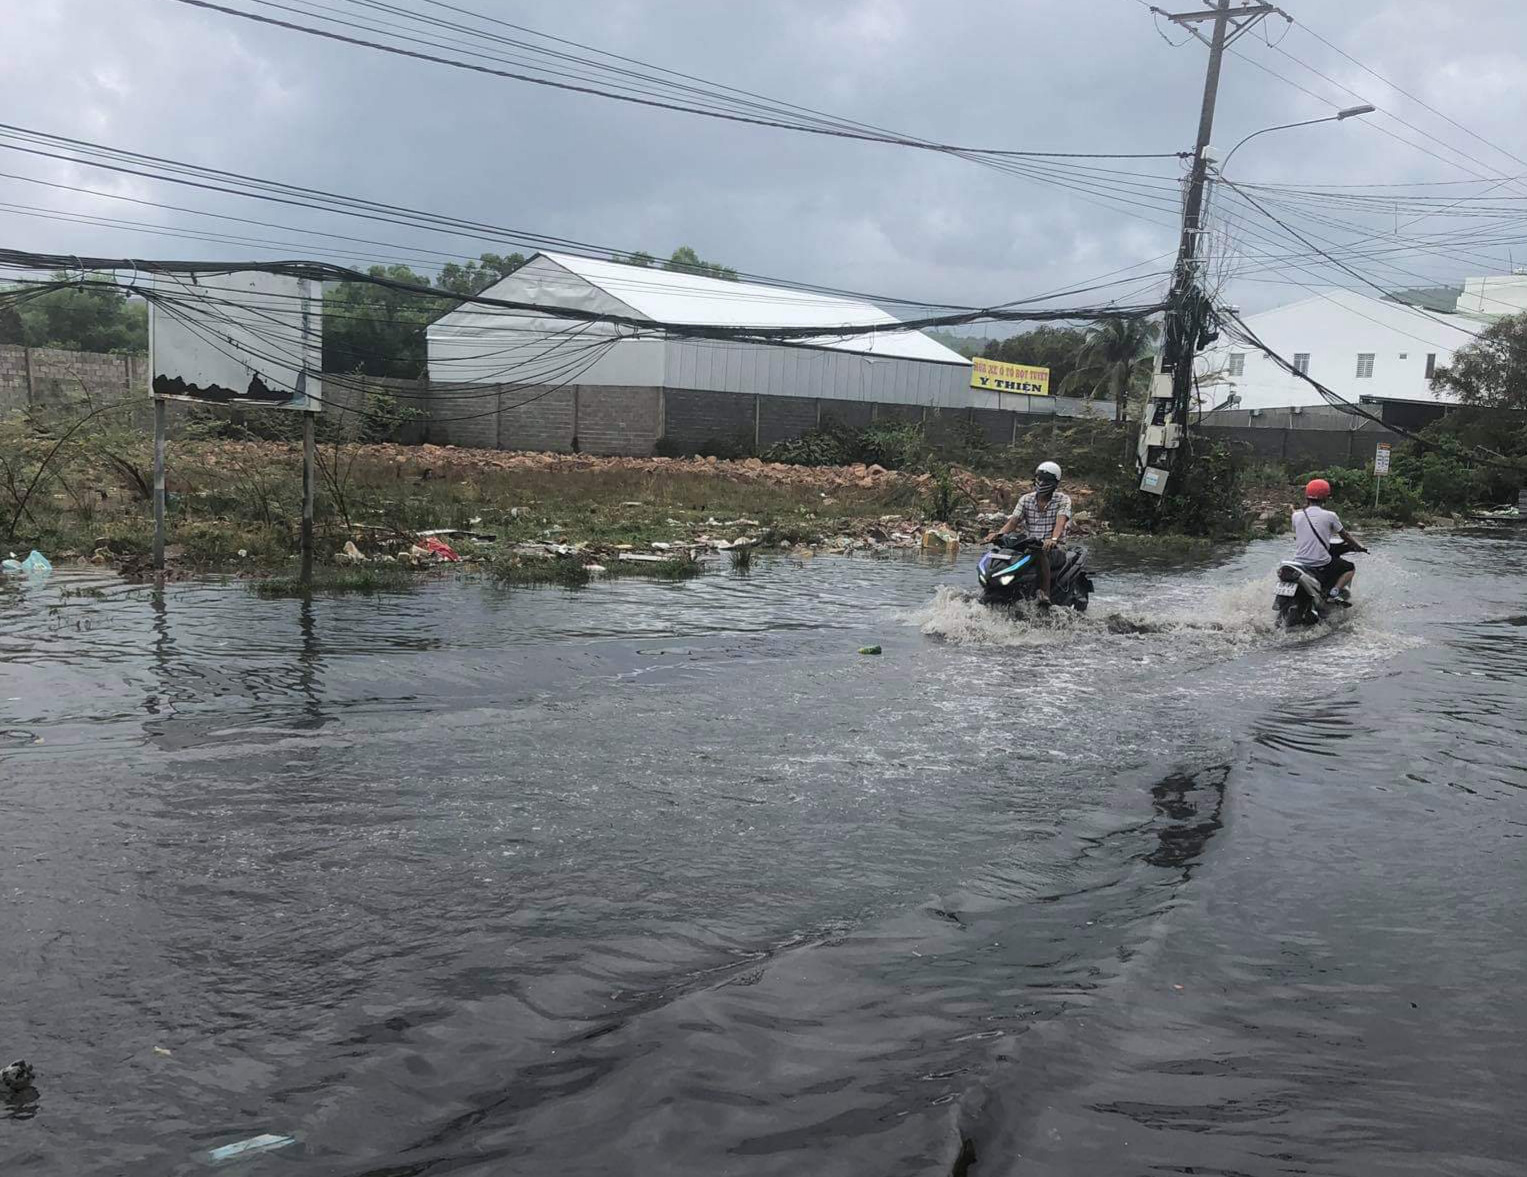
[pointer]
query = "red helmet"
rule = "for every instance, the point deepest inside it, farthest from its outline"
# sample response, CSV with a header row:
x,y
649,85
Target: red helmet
x,y
1317,488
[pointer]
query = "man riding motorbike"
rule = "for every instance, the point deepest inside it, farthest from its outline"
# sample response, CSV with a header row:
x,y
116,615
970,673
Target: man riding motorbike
x,y
1044,513
1317,530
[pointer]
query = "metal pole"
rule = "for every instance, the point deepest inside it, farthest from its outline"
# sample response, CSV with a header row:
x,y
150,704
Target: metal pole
x,y
308,481
1377,479
1185,281
159,483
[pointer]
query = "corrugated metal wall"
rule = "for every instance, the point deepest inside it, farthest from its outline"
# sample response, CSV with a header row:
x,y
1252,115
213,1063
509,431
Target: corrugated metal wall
x,y
538,350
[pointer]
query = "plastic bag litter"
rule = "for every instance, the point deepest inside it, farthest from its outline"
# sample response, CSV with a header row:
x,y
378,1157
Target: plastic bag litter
x,y
265,1142
441,549
34,563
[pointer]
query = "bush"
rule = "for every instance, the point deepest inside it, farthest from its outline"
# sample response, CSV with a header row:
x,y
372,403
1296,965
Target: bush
x,y
1352,493
1085,448
1205,497
896,445
893,444
817,447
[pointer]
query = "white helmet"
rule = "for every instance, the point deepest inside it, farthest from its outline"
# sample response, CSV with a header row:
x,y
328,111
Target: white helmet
x,y
1047,473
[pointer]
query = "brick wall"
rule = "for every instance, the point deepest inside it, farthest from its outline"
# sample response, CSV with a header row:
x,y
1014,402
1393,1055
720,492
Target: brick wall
x,y
996,424
538,419
620,420
908,413
693,419
784,417
45,377
849,414
1307,448
946,427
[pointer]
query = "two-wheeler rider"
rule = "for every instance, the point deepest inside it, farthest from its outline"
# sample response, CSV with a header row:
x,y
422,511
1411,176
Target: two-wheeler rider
x,y
1317,530
1043,513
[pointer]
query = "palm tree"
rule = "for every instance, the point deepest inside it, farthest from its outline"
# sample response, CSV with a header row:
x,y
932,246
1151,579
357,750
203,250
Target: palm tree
x,y
1116,358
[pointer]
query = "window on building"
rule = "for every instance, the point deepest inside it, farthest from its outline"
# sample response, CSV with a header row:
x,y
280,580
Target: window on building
x,y
1302,362
1237,363
1431,364
1405,355
1365,365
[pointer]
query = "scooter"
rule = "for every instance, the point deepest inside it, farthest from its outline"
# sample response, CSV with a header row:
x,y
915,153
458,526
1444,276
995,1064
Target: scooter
x,y
1300,599
1010,573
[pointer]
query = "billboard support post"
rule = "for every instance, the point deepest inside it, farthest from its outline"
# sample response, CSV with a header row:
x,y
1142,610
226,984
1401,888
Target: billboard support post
x,y
159,409
308,480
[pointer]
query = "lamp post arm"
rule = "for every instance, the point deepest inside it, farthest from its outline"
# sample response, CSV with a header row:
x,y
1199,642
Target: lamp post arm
x,y
1280,127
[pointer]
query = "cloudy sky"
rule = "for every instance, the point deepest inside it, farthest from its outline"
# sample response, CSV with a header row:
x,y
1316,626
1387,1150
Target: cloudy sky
x,y
161,77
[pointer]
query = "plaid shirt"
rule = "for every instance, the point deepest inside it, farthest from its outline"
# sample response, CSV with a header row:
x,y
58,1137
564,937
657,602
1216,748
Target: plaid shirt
x,y
1039,521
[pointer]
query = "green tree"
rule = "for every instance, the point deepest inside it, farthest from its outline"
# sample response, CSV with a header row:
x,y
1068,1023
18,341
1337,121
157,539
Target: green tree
x,y
12,330
82,318
1490,372
377,330
1115,361
968,346
1054,348
685,260
475,277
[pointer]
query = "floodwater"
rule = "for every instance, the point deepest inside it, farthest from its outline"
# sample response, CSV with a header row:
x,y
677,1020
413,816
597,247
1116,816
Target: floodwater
x,y
668,879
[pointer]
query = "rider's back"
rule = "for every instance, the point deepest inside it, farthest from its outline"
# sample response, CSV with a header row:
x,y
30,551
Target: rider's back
x,y
1315,530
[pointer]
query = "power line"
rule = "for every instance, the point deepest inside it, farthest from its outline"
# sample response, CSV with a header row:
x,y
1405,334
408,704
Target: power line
x,y
1401,90
899,141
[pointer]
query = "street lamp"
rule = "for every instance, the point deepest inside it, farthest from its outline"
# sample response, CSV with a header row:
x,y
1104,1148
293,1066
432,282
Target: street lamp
x,y
1349,112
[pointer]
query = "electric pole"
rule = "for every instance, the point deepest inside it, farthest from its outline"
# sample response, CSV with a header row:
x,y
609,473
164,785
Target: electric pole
x,y
1166,419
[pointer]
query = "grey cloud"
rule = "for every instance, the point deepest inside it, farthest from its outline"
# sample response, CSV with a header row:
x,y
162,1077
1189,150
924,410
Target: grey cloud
x,y
1081,75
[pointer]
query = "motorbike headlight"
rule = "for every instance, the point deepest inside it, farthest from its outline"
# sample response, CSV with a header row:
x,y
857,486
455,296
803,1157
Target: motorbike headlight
x,y
1005,580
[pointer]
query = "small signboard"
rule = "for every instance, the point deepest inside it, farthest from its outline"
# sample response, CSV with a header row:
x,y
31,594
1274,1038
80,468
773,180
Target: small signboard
x,y
1381,458
1000,376
247,339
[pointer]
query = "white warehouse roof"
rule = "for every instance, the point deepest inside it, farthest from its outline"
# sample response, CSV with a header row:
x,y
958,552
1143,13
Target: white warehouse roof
x,y
666,296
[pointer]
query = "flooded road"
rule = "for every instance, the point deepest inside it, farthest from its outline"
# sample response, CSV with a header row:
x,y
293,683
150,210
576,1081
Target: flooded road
x,y
669,879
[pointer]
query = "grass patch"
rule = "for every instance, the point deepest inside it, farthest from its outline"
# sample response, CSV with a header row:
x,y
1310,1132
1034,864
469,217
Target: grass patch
x,y
571,572
335,582
742,559
666,570
532,572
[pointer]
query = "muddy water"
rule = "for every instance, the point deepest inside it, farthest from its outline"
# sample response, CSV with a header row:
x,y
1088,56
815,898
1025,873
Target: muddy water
x,y
669,879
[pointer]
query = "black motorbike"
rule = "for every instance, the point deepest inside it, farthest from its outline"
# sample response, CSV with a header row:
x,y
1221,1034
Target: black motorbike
x,y
1010,572
1300,598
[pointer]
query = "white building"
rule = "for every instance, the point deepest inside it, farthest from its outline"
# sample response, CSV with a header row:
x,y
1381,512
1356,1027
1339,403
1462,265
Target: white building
x,y
477,344
1357,345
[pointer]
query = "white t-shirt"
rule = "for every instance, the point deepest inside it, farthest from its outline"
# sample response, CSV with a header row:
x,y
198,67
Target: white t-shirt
x,y
1311,525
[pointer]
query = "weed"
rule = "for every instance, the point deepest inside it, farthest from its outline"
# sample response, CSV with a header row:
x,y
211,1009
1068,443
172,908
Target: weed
x,y
742,559
518,571
336,582
944,497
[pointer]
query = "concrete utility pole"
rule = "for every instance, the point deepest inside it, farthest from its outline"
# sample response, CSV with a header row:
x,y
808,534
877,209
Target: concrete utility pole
x,y
1166,414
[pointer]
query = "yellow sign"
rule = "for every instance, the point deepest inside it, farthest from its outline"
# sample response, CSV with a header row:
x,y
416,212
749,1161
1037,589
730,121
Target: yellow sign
x,y
998,376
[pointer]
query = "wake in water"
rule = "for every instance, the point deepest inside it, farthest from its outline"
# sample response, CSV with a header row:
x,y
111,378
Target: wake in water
x,y
1238,614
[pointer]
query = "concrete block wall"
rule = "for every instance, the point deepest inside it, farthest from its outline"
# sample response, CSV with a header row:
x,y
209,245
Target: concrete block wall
x,y
692,419
532,419
613,420
45,377
1304,447
849,414
910,414
997,424
783,417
